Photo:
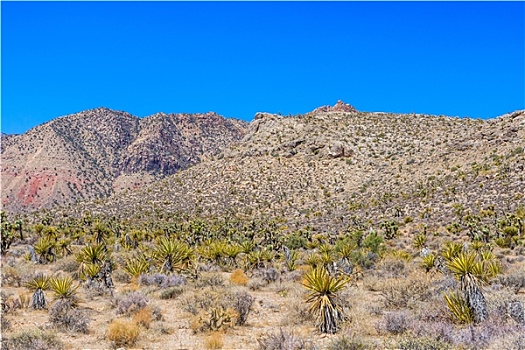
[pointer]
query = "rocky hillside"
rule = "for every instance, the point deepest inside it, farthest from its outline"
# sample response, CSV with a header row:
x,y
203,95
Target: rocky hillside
x,y
98,152
337,167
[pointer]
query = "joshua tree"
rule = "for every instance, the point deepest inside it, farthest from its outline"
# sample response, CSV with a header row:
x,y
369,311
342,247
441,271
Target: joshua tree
x,y
172,255
323,298
18,225
472,270
38,284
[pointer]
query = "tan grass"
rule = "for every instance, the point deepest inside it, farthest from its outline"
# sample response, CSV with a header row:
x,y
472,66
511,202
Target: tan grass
x,y
143,317
123,332
239,278
214,341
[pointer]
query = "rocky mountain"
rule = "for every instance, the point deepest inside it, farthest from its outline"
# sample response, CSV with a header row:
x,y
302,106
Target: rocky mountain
x,y
336,167
95,153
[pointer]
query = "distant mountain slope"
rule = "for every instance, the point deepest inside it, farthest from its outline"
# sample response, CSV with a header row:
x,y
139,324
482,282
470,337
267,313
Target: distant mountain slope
x,y
335,167
93,153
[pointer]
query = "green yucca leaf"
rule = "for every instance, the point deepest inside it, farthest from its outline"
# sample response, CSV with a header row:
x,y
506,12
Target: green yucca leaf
x,y
459,308
323,297
492,268
89,270
313,260
428,262
136,267
40,281
464,263
63,287
93,254
451,250
325,249
420,241
486,255
345,252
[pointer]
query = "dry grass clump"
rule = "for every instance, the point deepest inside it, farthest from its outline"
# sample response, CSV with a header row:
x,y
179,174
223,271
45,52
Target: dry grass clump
x,y
143,317
239,278
214,341
123,332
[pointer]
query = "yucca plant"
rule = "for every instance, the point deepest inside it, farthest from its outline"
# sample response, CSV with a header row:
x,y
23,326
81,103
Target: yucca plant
x,y
324,304
231,251
45,249
471,273
38,284
459,308
313,260
172,255
90,271
291,259
345,251
136,267
428,262
420,241
451,250
93,254
64,288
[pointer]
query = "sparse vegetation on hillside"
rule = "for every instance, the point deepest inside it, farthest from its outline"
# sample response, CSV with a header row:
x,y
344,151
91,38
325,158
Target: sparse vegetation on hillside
x,y
336,229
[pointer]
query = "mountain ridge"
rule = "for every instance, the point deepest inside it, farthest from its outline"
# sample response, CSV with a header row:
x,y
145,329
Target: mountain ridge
x,y
83,155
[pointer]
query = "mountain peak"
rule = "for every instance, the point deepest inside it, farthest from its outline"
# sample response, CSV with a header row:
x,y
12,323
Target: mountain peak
x,y
340,106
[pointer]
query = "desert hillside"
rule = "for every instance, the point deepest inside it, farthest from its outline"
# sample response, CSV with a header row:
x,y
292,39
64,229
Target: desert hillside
x,y
95,153
337,166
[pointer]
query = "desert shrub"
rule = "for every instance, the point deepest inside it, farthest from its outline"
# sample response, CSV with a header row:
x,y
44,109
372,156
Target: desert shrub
x,y
515,281
256,284
143,317
205,299
422,344
11,277
393,323
123,332
131,303
210,279
5,323
33,339
239,278
214,341
268,275
404,293
68,264
161,280
10,303
64,315
121,276
295,241
171,293
282,341
297,313
347,343
242,304
392,267
216,319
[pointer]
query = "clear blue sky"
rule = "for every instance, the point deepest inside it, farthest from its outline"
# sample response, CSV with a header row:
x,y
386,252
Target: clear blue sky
x,y
237,58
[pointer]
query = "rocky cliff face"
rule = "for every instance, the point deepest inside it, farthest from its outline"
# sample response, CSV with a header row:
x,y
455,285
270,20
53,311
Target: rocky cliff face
x,y
94,153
